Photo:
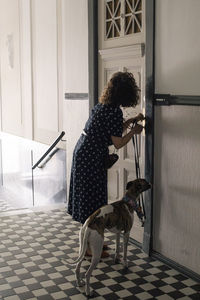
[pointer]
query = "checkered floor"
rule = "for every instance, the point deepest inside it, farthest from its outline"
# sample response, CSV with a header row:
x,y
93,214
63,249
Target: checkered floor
x,y
31,249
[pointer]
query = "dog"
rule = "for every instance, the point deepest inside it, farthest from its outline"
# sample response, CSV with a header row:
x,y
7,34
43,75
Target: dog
x,y
116,217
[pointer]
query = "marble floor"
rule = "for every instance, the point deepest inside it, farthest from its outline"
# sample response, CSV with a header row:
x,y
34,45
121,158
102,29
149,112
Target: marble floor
x,y
33,243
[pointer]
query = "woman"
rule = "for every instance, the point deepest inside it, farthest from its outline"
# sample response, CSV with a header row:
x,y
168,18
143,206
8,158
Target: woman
x,y
105,126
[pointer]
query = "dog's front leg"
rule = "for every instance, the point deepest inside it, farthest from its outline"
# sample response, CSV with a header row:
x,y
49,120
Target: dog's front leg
x,y
126,239
117,243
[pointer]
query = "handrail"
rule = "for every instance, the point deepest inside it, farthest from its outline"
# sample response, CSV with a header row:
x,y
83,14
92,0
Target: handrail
x,y
48,158
168,99
49,150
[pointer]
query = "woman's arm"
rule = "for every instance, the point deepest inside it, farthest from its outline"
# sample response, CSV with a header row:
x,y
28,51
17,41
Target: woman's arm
x,y
132,121
119,142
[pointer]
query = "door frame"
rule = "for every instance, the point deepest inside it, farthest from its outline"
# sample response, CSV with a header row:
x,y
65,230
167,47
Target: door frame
x,y
149,126
92,53
149,94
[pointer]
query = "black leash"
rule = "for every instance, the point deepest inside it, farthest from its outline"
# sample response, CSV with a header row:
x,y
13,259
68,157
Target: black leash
x,y
137,171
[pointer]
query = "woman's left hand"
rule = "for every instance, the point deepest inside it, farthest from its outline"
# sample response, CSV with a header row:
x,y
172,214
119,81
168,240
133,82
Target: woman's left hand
x,y
129,122
139,117
134,120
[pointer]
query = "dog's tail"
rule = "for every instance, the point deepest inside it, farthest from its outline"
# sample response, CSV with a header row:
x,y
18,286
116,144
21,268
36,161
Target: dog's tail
x,y
84,234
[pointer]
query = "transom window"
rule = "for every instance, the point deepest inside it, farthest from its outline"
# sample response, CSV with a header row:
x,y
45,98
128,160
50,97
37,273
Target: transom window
x,y
122,17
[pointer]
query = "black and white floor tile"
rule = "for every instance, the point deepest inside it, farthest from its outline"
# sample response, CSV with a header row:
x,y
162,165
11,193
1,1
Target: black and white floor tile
x,y
33,244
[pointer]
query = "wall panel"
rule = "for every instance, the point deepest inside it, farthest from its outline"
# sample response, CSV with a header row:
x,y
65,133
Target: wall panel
x,y
10,64
45,69
176,185
177,41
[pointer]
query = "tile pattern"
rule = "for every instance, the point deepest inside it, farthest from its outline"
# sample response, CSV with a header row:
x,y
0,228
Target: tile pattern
x,y
31,249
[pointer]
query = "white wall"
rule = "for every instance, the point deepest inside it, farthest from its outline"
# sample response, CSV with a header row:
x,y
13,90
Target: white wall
x,y
75,50
176,185
10,71
177,47
176,204
47,101
31,68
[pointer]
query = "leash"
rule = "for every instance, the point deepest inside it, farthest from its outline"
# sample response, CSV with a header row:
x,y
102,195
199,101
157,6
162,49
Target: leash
x,y
137,171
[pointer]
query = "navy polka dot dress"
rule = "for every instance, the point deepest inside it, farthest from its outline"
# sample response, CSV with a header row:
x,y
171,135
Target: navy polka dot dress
x,y
88,184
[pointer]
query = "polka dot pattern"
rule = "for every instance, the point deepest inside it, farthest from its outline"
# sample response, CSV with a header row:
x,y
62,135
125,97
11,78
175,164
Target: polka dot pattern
x,y
88,183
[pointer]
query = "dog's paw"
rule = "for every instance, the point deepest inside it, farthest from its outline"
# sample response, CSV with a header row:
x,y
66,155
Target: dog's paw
x,y
125,263
117,259
89,293
80,283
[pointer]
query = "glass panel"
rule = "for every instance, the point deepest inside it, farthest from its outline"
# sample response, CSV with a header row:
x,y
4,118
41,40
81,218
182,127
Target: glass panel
x,y
133,16
113,18
117,5
128,25
137,23
118,22
109,29
138,6
129,4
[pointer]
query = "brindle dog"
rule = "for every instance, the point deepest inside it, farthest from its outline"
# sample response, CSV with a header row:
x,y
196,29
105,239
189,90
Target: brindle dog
x,y
117,217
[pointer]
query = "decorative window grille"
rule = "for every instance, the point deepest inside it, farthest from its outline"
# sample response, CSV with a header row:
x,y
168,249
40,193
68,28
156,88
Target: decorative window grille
x,y
122,17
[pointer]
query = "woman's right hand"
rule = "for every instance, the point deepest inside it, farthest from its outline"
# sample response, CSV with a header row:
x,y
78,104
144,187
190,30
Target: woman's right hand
x,y
137,129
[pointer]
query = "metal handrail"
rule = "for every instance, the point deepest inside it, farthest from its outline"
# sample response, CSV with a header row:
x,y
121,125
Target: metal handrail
x,y
49,150
168,99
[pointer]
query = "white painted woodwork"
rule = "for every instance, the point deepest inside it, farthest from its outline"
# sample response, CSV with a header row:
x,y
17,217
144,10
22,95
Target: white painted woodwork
x,y
26,69
46,53
176,185
75,72
124,38
31,68
177,59
125,58
11,98
75,30
123,53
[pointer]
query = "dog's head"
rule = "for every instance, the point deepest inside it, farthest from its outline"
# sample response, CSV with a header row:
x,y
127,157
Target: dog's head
x,y
137,186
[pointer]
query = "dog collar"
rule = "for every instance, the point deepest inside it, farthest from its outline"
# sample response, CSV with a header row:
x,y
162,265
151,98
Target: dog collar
x,y
136,207
131,201
126,198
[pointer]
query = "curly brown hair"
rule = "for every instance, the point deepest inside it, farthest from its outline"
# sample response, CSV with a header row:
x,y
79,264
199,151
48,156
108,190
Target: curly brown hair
x,y
121,90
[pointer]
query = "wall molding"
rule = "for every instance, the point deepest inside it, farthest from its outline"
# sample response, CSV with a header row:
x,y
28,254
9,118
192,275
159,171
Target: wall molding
x,y
76,96
125,52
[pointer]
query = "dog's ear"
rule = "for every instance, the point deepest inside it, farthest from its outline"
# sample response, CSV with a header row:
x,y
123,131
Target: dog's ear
x,y
129,184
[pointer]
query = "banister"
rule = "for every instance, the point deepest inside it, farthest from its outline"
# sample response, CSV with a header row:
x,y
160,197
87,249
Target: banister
x,y
49,150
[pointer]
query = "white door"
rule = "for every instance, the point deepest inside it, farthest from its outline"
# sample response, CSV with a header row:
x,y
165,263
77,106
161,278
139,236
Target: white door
x,y
121,49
